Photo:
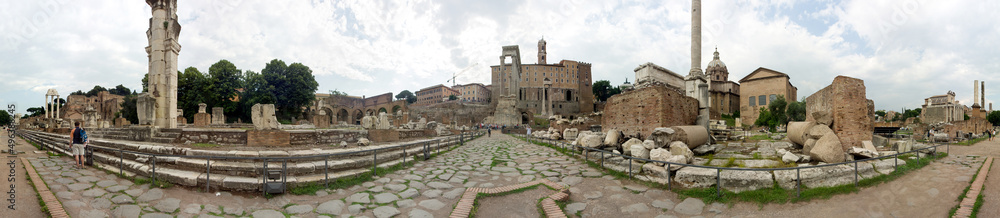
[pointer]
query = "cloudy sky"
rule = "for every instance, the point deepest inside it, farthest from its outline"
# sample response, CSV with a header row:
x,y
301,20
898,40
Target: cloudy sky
x,y
905,50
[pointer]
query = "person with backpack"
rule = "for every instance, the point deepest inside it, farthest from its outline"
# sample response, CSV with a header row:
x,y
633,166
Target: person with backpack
x,y
78,144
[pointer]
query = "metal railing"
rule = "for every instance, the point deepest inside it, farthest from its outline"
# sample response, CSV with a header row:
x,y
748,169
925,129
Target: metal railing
x,y
718,182
458,140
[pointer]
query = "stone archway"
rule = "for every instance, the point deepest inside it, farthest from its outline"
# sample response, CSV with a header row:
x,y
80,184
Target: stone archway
x,y
382,110
396,109
344,116
357,117
369,112
525,118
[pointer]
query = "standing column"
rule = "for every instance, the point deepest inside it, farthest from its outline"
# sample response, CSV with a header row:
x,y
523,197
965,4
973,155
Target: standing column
x,y
696,36
47,107
57,108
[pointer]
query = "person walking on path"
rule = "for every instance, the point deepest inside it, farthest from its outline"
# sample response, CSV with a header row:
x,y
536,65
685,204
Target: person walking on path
x,y
78,144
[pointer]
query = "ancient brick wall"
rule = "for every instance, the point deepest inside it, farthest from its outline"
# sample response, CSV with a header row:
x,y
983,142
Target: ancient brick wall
x,y
268,138
853,114
639,111
974,125
776,85
325,137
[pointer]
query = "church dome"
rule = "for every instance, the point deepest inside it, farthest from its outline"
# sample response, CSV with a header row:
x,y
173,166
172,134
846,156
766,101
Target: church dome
x,y
716,63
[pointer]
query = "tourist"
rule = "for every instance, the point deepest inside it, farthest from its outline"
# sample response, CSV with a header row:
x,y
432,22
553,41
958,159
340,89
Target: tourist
x,y
78,144
529,131
489,132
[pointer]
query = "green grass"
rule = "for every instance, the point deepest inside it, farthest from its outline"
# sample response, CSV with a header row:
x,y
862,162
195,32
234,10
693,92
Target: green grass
x,y
731,162
759,137
775,194
971,141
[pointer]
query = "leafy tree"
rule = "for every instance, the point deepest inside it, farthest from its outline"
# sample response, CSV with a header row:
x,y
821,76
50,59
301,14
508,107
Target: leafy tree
x,y
994,117
796,111
78,92
907,113
777,108
452,97
880,113
765,119
406,94
337,93
129,109
255,91
967,117
225,80
120,90
5,118
95,90
36,111
603,90
193,88
294,86
145,82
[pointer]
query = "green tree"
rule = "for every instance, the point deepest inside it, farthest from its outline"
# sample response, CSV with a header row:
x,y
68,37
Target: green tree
x,y
777,108
452,97
880,113
225,80
193,88
765,119
5,118
294,86
406,94
994,118
603,90
95,90
78,92
120,90
36,111
129,110
967,117
796,111
337,93
145,82
255,91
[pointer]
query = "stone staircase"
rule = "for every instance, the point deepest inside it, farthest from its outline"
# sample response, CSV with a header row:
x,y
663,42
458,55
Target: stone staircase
x,y
237,170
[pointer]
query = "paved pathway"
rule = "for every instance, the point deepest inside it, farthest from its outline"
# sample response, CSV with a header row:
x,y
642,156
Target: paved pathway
x,y
25,198
433,188
991,193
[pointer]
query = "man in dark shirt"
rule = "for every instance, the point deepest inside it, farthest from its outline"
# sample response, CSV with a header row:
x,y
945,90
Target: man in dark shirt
x,y
78,144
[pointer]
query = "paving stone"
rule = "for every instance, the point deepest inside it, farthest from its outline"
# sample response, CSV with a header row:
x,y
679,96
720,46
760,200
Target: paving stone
x,y
413,177
151,195
126,211
575,207
116,188
65,195
635,208
716,208
432,204
330,207
133,192
417,185
299,209
94,192
88,179
321,193
432,193
454,193
79,186
100,203
70,174
549,173
663,204
406,203
383,180
233,210
106,183
355,209
572,180
74,203
636,188
487,185
122,199
418,213
440,185
384,198
368,184
376,189
268,214
395,187
192,209
359,198
690,206
409,193
592,174
95,213
212,209
157,215
168,205
385,212
593,194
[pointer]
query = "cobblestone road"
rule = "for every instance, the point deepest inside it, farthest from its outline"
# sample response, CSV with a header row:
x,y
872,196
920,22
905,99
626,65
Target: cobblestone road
x,y
432,188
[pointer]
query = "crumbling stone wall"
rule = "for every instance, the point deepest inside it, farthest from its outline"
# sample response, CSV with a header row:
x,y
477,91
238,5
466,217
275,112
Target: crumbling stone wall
x,y
852,114
639,111
221,137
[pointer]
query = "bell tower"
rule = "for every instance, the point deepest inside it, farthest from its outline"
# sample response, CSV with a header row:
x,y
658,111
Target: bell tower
x,y
541,51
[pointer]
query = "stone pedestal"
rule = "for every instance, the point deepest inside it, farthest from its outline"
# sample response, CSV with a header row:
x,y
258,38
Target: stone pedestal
x,y
182,121
121,122
262,116
321,121
218,116
146,104
506,112
202,119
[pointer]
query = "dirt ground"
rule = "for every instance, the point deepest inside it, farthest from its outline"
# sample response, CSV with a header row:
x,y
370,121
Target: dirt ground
x,y
25,198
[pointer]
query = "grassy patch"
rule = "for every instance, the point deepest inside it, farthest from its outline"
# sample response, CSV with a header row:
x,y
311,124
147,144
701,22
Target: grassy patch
x,y
731,162
758,138
970,141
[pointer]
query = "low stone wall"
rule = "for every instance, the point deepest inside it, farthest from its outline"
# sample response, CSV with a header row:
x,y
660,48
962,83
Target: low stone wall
x,y
326,136
268,138
129,134
411,134
213,136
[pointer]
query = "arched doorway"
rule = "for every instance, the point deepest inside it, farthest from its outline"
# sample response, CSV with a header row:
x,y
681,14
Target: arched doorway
x,y
525,118
343,116
382,110
369,112
395,109
357,117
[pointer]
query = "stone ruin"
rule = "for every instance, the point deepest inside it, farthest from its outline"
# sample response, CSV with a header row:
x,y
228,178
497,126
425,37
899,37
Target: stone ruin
x,y
202,119
839,120
263,117
219,116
